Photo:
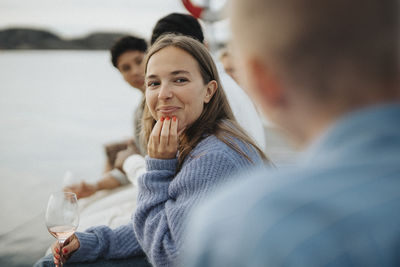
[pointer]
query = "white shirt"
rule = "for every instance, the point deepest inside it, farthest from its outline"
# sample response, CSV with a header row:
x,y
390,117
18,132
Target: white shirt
x,y
242,107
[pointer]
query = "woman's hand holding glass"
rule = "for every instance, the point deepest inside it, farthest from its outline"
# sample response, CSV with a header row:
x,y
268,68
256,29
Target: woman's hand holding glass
x,y
163,141
62,253
62,218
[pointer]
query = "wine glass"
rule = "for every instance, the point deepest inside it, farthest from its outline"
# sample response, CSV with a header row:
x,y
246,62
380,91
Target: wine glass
x,y
62,216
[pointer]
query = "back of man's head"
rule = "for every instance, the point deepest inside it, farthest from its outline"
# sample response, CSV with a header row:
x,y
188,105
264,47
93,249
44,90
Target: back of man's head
x,y
124,44
331,49
180,24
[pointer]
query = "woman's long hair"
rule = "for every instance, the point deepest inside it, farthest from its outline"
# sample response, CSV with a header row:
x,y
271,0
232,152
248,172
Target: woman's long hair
x,y
217,117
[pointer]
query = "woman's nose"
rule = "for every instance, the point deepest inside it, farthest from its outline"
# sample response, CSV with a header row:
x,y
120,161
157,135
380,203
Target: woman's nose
x,y
165,92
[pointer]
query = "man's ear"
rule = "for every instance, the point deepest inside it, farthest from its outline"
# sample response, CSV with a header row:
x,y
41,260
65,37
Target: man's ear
x,y
264,83
210,90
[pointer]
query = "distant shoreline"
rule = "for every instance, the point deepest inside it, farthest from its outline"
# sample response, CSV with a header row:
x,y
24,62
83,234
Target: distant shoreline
x,y
20,39
34,39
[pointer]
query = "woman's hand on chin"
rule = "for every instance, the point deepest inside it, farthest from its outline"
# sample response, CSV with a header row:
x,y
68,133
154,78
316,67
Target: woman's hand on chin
x,y
163,141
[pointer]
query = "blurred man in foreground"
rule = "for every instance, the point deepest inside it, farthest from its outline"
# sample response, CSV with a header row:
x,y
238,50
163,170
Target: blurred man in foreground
x,y
327,72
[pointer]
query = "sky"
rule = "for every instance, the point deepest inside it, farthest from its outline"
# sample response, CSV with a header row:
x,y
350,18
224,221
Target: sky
x,y
76,18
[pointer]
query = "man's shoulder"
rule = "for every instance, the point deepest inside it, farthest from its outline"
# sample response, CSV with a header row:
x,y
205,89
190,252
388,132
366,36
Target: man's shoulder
x,y
243,192
268,195
307,184
297,210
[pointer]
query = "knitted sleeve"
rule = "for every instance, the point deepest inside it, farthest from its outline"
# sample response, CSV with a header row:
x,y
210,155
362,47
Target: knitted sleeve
x,y
165,199
104,242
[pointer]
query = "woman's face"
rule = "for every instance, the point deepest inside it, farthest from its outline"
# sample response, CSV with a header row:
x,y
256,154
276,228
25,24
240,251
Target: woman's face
x,y
130,65
175,87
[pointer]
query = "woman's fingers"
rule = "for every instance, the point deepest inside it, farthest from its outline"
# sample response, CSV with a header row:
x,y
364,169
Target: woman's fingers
x,y
71,245
55,248
173,133
163,142
164,136
61,254
154,139
155,133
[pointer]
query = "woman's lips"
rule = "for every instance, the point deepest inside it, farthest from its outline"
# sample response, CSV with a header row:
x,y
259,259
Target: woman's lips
x,y
167,110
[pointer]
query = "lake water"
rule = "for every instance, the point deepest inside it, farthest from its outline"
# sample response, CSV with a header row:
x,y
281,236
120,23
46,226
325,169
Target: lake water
x,y
57,109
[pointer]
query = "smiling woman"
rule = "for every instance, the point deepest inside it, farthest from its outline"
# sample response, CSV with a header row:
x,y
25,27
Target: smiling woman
x,y
194,145
174,92
182,80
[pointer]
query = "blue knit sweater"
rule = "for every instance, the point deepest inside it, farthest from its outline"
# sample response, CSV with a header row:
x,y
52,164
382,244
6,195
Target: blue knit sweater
x,y
164,200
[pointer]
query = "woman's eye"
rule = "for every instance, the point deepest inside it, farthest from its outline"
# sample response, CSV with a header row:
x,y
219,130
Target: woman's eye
x,y
152,84
181,80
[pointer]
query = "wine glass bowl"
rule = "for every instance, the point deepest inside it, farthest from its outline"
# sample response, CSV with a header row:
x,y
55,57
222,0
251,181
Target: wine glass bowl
x,y
62,215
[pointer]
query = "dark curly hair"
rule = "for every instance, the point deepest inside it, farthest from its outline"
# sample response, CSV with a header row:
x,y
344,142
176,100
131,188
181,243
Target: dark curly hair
x,y
179,24
126,43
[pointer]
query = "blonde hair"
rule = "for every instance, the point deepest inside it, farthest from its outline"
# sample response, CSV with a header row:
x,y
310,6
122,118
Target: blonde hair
x,y
216,118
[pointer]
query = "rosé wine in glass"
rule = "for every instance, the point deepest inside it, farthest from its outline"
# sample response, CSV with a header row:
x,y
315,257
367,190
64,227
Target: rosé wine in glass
x,y
62,232
62,215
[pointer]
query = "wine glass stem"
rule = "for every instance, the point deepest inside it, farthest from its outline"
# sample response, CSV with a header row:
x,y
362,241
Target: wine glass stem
x,y
61,253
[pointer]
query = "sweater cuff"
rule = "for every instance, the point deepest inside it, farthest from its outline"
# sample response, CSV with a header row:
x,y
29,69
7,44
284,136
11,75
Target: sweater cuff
x,y
161,164
86,242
